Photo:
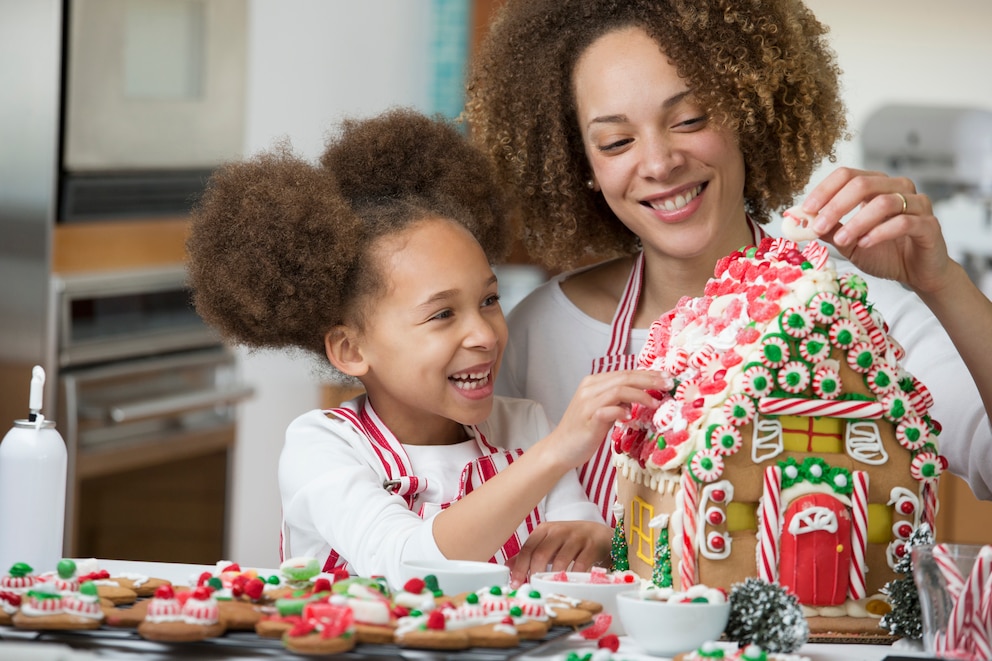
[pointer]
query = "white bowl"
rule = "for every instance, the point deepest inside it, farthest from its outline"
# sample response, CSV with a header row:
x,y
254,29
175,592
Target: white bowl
x,y
458,576
578,586
662,628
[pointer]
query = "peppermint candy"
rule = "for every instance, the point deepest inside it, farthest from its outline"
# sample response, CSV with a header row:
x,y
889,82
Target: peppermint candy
x,y
796,322
825,307
774,351
882,378
853,286
726,440
758,381
926,466
912,432
815,347
896,406
706,465
793,377
826,382
739,409
843,333
860,357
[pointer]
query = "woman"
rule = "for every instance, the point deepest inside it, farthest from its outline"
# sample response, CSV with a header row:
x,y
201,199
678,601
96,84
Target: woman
x,y
658,136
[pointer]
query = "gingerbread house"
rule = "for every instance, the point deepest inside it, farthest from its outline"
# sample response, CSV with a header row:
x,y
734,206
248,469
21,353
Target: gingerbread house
x,y
793,447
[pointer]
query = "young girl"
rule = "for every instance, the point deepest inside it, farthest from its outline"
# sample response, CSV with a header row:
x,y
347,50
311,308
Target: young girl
x,y
379,261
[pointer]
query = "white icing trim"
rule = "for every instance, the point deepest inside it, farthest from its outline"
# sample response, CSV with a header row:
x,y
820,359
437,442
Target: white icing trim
x,y
863,442
766,438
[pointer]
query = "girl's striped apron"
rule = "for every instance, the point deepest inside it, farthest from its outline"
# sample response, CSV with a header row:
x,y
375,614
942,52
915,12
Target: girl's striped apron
x,y
599,474
401,480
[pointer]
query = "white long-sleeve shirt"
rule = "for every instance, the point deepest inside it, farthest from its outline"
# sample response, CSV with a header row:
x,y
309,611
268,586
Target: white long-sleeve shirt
x,y
331,483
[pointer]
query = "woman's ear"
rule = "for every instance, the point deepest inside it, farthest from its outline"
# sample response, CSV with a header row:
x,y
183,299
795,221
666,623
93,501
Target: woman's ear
x,y
343,349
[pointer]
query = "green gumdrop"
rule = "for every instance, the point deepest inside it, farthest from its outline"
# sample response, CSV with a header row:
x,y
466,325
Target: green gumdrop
x,y
289,606
66,568
21,569
430,581
88,588
215,583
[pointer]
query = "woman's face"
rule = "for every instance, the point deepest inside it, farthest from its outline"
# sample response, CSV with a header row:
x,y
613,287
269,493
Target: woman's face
x,y
435,337
673,176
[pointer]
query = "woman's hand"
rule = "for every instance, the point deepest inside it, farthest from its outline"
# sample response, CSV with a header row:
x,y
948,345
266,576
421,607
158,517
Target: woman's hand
x,y
892,234
599,401
561,546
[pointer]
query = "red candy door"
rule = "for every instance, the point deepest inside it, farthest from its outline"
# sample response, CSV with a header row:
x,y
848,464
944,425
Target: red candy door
x,y
815,558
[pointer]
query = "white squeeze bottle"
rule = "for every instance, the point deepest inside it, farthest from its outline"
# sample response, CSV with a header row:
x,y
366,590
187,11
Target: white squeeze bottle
x,y
32,488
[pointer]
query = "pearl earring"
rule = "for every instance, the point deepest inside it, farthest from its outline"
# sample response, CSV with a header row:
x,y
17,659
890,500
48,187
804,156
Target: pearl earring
x,y
591,184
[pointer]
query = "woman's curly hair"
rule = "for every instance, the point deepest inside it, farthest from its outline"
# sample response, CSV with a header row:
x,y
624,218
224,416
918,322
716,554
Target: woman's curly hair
x,y
282,250
762,67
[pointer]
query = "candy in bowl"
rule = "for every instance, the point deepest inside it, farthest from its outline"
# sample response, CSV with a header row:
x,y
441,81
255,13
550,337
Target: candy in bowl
x,y
597,585
664,622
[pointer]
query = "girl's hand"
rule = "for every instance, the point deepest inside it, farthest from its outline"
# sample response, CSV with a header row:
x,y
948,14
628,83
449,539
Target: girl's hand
x,y
599,401
892,234
562,546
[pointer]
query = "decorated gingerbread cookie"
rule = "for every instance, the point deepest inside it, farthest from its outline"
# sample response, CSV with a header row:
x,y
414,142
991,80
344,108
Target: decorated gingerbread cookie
x,y
181,616
711,651
18,579
324,628
44,607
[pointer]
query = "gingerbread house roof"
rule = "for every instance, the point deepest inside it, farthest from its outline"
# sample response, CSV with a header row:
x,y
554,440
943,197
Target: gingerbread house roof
x,y
772,335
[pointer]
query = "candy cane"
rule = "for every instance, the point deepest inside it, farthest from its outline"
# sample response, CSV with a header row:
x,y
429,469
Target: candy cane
x,y
930,504
771,524
690,500
965,630
860,409
949,570
859,534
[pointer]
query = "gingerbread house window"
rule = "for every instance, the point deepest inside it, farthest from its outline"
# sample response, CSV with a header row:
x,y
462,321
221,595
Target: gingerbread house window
x,y
820,435
863,442
766,441
641,513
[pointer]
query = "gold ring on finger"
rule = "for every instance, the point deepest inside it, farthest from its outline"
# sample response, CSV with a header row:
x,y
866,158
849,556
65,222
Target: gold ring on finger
x,y
903,198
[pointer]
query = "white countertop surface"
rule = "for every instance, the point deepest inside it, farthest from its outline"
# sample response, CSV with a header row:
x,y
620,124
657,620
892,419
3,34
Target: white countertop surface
x,y
29,646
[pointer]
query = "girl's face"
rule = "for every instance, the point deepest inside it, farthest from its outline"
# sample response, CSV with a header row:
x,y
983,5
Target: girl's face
x,y
671,174
434,341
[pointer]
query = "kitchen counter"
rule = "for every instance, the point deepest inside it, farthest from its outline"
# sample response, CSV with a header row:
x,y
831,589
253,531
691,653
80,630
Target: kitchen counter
x,y
125,644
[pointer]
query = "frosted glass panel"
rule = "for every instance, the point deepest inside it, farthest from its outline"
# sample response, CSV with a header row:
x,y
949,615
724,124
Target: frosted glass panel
x,y
164,48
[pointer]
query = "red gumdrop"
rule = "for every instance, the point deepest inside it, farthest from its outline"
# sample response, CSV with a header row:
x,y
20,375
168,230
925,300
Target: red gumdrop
x,y
165,592
202,592
321,585
254,588
231,567
600,625
435,621
610,641
414,585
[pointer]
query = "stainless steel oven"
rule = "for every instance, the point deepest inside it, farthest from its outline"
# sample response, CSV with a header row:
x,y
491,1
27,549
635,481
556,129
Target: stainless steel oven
x,y
147,405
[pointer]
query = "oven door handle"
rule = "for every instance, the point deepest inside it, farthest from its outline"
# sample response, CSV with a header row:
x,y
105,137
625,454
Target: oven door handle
x,y
166,406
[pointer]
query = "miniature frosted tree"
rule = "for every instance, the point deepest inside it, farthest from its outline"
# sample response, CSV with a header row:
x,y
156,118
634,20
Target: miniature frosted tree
x,y
661,572
619,551
905,619
765,614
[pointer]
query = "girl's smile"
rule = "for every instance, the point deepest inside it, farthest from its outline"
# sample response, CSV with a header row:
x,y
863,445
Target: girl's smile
x,y
435,337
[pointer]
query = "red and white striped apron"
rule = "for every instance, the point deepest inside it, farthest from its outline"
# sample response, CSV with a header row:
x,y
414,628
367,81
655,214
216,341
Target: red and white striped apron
x,y
599,474
400,478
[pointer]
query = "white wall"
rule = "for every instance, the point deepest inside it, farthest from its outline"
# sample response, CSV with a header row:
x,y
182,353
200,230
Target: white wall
x,y
313,61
